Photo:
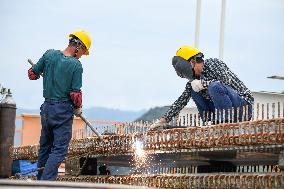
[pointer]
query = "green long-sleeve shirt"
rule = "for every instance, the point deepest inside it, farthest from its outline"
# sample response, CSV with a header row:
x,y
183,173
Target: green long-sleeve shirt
x,y
61,74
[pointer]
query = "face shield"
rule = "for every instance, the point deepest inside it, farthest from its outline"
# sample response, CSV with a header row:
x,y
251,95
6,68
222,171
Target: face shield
x,y
182,67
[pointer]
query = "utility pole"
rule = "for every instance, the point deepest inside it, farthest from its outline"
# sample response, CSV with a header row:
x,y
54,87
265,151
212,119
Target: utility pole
x,y
197,23
222,29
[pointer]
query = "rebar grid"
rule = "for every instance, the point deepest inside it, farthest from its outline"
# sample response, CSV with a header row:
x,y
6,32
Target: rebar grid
x,y
228,180
250,133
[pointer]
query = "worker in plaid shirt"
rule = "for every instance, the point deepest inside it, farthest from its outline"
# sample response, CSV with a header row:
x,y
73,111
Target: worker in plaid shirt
x,y
217,92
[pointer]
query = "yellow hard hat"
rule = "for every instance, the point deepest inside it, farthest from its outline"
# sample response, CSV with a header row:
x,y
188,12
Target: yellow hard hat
x,y
187,51
84,37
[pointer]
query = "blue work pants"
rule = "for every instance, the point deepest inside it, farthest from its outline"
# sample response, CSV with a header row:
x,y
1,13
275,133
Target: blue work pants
x,y
224,105
56,133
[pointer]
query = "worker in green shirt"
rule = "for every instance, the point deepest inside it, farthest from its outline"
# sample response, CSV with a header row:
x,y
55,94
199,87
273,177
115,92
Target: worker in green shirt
x,y
62,82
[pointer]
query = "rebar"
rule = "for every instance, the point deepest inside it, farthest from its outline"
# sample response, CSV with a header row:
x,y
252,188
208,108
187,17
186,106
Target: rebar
x,y
242,134
219,180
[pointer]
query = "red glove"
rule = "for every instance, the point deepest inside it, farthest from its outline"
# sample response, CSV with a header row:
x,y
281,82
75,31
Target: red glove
x,y
76,97
32,75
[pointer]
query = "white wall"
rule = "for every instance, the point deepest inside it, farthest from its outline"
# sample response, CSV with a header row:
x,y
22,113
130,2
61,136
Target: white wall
x,y
273,103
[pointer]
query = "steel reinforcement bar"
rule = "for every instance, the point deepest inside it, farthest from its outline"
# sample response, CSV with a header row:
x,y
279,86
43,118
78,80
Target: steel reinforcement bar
x,y
251,133
228,180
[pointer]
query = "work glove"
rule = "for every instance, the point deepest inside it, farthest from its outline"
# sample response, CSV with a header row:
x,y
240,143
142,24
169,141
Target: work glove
x,y
76,97
77,112
157,125
197,85
32,75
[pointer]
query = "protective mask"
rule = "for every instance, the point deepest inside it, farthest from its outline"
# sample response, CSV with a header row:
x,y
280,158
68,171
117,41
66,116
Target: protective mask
x,y
182,67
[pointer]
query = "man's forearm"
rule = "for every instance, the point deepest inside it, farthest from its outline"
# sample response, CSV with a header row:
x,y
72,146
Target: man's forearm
x,y
179,104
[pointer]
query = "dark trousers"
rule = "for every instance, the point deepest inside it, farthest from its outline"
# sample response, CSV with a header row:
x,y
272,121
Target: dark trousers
x,y
224,104
56,133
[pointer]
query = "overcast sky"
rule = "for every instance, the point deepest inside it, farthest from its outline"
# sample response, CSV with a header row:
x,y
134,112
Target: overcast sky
x,y
129,66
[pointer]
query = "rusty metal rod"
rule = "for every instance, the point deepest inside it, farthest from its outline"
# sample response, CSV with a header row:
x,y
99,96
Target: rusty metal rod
x,y
211,180
226,136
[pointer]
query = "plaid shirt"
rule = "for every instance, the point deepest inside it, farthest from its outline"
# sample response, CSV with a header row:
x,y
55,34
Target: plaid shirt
x,y
213,70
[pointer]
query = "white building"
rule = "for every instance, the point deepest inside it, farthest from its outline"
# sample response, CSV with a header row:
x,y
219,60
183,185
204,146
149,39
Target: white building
x,y
266,105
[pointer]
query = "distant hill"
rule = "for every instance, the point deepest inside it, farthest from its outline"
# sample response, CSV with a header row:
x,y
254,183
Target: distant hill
x,y
153,114
99,113
27,111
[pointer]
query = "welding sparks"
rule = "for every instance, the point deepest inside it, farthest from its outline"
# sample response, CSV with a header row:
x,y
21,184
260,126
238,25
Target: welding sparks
x,y
138,149
140,156
141,160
